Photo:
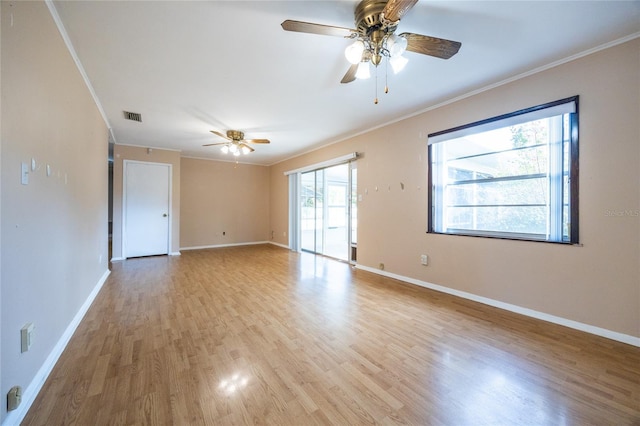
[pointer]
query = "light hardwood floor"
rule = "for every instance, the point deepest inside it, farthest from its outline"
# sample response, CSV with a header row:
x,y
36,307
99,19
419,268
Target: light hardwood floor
x,y
261,335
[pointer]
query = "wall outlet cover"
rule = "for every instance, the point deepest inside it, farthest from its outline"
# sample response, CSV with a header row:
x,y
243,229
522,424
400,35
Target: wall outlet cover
x,y
14,398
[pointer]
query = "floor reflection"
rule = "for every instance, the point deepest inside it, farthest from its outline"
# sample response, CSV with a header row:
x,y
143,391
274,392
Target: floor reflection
x,y
329,284
232,384
490,388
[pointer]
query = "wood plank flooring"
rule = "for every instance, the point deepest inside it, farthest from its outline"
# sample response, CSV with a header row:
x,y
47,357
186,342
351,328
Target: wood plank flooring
x,y
261,335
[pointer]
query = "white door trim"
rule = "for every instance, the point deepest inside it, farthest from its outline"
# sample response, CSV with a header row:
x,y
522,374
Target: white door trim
x,y
125,164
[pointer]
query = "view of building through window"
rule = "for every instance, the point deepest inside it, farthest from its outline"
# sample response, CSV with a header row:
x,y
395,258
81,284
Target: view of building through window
x,y
508,178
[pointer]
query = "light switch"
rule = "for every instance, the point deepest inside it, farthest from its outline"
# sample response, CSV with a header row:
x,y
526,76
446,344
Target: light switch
x,y
26,333
24,177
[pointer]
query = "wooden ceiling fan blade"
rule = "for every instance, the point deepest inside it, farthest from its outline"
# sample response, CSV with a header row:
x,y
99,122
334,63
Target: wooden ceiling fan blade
x,y
432,46
257,140
242,145
221,135
217,143
350,75
396,9
311,28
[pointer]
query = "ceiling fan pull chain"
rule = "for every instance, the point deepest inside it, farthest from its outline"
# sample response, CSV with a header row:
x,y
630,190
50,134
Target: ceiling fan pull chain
x,y
386,74
376,99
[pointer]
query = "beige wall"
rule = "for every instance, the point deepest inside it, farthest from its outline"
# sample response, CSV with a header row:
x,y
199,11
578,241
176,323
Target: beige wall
x,y
597,283
125,152
224,197
54,230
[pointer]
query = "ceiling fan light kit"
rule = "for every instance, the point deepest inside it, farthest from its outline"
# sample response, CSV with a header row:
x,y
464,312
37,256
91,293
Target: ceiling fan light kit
x,y
375,39
236,143
396,44
354,52
398,63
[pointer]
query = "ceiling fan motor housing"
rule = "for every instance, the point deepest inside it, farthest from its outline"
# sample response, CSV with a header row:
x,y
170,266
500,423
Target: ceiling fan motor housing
x,y
367,16
236,135
374,28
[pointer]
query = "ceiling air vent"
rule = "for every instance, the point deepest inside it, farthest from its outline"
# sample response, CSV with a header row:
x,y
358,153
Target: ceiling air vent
x,y
133,116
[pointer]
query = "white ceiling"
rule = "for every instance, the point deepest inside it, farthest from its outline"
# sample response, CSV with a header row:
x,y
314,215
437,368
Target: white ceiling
x,y
191,67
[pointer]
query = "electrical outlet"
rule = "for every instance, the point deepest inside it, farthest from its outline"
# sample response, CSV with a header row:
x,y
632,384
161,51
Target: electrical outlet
x,y
14,398
424,259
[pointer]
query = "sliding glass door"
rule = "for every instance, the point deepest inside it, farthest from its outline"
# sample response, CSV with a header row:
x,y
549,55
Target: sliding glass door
x,y
336,230
312,210
325,219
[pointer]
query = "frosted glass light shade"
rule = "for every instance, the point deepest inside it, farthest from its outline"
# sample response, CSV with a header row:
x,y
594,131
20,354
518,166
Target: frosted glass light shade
x,y
354,51
224,149
363,71
398,63
245,150
396,45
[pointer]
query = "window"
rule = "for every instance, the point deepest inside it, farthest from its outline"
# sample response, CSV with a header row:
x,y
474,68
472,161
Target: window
x,y
514,176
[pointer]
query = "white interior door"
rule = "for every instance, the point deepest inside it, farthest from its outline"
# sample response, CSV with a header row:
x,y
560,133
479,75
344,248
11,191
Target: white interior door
x,y
147,202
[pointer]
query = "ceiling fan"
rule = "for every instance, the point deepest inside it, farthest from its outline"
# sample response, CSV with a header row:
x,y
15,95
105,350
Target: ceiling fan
x,y
236,143
376,22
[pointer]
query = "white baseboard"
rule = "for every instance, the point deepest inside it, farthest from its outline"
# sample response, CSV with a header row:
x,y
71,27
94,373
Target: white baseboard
x,y
224,245
120,259
279,245
234,245
32,390
603,332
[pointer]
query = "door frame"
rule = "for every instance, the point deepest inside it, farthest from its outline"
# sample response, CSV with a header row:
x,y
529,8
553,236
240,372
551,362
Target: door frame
x,y
296,198
125,164
294,195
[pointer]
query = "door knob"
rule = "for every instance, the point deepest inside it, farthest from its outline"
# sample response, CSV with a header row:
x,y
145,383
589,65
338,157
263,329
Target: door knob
x,y
164,215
